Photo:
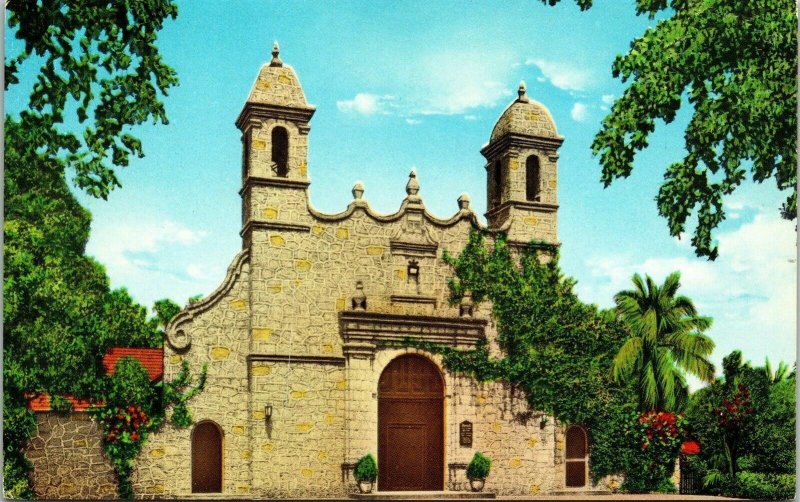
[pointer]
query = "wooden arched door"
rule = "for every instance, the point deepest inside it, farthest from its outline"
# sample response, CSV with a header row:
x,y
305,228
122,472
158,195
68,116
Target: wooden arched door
x,y
577,456
411,425
207,458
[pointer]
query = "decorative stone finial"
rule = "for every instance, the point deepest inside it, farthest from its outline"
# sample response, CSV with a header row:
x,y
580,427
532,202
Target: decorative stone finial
x,y
463,201
358,190
276,60
466,307
359,301
523,98
412,187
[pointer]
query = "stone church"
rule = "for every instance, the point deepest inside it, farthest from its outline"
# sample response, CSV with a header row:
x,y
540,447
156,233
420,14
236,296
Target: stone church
x,y
303,338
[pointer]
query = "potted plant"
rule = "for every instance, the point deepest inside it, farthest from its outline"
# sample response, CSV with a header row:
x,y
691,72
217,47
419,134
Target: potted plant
x,y
477,470
366,472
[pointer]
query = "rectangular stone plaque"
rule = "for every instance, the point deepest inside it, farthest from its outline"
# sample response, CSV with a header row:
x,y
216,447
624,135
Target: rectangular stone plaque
x,y
465,433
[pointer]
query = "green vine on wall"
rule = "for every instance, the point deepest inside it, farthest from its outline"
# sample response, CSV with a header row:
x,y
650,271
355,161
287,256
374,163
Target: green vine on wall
x,y
554,347
134,408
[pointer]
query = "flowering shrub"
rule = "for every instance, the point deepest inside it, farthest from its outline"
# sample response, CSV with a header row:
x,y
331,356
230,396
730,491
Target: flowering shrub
x,y
734,411
690,447
124,432
657,437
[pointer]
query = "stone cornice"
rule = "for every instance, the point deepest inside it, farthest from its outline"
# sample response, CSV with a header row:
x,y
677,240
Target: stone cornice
x,y
299,359
254,113
511,140
363,332
428,300
259,181
413,249
533,206
272,225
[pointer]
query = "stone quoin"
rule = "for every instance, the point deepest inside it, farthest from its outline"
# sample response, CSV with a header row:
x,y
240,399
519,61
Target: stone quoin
x,y
305,374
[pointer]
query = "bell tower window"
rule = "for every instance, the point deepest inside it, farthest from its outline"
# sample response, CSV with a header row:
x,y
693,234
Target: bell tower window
x,y
532,178
280,152
497,181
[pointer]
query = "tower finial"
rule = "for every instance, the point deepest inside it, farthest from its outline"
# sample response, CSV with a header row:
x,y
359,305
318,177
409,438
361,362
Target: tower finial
x,y
521,92
276,60
412,187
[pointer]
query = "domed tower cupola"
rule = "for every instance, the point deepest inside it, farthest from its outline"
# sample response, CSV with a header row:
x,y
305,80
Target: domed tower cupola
x,y
522,172
275,127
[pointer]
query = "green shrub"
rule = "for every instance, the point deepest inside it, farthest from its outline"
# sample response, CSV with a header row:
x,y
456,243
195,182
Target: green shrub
x,y
479,466
366,469
756,485
130,384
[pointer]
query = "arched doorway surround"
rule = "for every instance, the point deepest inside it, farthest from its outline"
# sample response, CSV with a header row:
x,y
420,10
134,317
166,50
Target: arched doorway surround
x,y
577,456
206,458
411,425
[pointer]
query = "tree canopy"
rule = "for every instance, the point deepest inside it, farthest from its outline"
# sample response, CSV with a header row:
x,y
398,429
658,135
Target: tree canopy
x,y
736,63
97,72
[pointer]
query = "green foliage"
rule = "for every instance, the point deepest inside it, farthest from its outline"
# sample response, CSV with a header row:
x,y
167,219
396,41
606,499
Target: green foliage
x,y
125,430
18,425
130,385
101,59
366,469
654,441
555,348
667,341
165,310
95,62
479,466
736,62
761,442
756,485
179,391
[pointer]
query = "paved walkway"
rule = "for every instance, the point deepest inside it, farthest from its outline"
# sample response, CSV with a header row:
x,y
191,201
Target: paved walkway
x,y
616,496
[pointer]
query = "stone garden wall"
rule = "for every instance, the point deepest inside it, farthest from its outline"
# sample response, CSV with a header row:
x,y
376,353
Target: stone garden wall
x,y
68,461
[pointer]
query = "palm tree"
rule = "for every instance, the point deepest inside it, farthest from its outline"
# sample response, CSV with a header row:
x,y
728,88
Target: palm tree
x,y
666,342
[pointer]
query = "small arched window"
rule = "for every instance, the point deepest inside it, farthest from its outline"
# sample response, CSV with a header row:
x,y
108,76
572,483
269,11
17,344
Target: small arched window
x,y
532,178
497,179
207,458
280,152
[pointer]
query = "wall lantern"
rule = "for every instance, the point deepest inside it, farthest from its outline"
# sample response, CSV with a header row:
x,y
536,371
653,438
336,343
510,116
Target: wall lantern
x,y
268,412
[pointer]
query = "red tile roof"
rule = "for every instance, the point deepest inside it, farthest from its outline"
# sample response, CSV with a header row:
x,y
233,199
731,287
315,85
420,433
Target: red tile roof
x,y
151,359
41,402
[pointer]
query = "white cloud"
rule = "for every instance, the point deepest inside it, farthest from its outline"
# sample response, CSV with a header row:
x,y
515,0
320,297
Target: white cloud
x,y
563,75
365,104
579,112
607,99
411,121
130,249
470,117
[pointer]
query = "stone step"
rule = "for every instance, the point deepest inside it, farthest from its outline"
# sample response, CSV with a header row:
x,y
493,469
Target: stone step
x,y
446,495
580,492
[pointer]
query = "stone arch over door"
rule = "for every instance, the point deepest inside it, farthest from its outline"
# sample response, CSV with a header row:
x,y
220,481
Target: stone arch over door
x,y
411,425
207,458
577,456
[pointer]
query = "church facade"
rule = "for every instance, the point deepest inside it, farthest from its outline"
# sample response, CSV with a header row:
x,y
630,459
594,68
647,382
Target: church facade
x,y
303,340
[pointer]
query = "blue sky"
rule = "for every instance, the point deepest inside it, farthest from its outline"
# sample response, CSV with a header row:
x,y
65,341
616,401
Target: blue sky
x,y
405,84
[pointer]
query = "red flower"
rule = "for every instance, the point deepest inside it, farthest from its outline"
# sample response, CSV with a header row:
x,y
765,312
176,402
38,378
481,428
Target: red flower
x,y
690,447
134,436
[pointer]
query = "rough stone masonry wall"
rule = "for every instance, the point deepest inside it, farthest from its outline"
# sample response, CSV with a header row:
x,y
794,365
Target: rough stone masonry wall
x,y
68,460
220,338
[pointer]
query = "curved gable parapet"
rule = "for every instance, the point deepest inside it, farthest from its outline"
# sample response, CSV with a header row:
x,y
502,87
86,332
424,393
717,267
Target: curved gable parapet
x,y
176,337
363,205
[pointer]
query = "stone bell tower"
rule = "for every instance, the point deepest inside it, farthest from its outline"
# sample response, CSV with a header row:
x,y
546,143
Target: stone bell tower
x,y
275,127
522,172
